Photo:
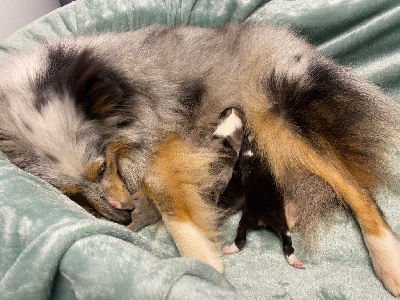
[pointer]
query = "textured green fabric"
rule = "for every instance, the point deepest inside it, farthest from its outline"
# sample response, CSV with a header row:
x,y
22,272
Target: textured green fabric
x,y
51,248
48,240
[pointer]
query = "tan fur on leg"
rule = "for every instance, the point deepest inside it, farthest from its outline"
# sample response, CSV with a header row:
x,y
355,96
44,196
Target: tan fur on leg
x,y
175,183
192,242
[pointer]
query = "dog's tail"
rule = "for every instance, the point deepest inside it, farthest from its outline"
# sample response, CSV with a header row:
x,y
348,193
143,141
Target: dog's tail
x,y
339,116
327,122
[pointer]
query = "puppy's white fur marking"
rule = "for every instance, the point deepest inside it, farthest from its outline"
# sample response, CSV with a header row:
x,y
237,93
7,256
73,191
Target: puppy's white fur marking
x,y
248,153
229,125
230,249
384,252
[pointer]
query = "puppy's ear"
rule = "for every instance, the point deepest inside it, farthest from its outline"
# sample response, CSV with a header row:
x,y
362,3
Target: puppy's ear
x,y
98,88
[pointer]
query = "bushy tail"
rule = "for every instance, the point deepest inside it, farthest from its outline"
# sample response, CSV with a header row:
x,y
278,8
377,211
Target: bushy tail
x,y
340,116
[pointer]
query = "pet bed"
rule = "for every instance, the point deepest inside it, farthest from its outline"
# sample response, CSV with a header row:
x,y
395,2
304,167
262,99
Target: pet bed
x,y
51,248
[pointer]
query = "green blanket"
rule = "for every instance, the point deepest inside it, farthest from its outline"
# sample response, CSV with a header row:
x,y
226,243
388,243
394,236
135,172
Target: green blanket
x,y
52,248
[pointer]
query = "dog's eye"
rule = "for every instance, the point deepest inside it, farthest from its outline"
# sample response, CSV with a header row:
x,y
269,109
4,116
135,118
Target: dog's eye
x,y
102,169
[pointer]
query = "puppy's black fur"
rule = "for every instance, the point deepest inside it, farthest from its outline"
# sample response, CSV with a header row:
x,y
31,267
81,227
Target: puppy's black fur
x,y
253,189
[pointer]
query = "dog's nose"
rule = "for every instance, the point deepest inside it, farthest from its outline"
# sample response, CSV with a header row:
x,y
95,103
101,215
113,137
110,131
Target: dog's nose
x,y
107,210
115,204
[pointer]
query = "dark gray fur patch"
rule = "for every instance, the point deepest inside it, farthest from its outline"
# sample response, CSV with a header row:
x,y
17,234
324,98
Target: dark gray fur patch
x,y
97,85
59,61
190,98
315,104
331,109
86,77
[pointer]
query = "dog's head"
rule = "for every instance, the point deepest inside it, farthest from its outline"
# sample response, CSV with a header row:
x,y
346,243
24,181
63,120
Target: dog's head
x,y
102,185
56,105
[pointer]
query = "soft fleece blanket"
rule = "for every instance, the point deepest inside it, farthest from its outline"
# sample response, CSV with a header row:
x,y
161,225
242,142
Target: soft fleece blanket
x,y
50,248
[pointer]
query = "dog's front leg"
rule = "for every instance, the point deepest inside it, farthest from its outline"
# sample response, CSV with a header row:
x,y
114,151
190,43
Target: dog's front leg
x,y
176,181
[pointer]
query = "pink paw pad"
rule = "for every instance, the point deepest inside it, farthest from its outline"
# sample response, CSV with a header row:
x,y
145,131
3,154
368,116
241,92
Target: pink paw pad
x,y
294,261
230,249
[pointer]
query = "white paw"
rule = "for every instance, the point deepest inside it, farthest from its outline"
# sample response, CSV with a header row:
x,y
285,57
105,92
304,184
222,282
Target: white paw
x,y
230,249
294,261
384,252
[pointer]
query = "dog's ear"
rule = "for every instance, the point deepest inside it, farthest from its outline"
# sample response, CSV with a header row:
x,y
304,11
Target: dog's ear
x,y
97,87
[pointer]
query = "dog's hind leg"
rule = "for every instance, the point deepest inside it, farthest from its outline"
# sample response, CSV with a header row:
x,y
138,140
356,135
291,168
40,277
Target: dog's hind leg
x,y
281,228
309,114
381,242
288,250
285,151
174,183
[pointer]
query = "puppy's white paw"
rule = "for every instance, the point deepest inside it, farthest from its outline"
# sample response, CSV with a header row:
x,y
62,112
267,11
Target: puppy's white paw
x,y
384,252
294,261
230,249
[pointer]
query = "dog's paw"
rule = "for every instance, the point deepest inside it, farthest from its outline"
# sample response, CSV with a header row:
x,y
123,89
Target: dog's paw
x,y
134,226
384,252
294,261
230,249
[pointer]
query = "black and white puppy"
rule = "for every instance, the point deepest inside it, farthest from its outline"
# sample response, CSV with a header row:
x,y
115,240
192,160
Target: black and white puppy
x,y
254,190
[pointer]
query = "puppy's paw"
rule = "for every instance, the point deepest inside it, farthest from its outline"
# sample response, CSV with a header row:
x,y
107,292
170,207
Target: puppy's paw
x,y
230,249
384,252
294,261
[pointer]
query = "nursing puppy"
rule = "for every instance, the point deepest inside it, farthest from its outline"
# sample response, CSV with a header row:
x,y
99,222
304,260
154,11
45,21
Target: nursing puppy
x,y
72,110
254,187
